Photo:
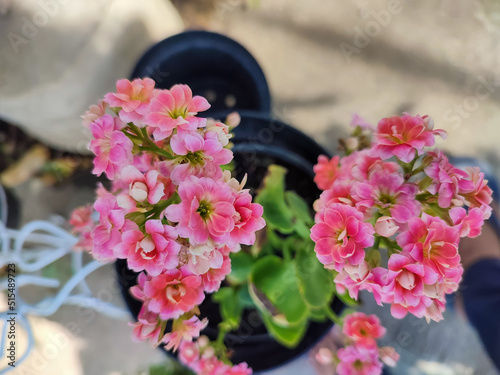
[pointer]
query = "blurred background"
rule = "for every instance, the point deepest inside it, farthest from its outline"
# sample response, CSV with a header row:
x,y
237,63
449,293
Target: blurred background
x,y
323,60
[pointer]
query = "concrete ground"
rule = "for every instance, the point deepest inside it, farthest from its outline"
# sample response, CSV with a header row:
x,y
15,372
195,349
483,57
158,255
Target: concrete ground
x,y
325,60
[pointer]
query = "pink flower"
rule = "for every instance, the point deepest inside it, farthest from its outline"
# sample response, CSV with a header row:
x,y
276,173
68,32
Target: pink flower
x,y
358,361
95,111
430,241
435,310
106,236
142,188
85,242
200,358
153,251
468,224
389,193
363,329
212,366
406,289
388,355
81,219
404,137
341,236
171,293
481,194
148,327
347,163
143,161
206,210
357,120
213,278
326,171
386,226
204,256
189,353
199,155
240,369
112,148
365,165
175,108
447,181
340,192
184,330
248,219
361,277
133,98
222,132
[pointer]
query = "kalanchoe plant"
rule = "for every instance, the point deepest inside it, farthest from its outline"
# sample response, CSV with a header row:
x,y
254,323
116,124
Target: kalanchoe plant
x,y
396,195
279,275
172,212
178,217
361,354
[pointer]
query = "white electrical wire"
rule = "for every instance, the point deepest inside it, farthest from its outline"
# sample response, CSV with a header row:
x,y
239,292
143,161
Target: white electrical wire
x,y
33,247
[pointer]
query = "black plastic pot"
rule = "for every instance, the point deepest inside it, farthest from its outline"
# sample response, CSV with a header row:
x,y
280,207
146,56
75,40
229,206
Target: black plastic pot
x,y
9,208
213,65
258,143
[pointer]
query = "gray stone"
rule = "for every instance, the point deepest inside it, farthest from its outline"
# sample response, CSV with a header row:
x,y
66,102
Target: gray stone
x,y
57,57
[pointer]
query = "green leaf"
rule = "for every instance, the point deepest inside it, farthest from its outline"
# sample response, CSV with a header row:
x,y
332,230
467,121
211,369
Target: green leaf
x,y
228,167
299,207
168,368
287,336
244,297
272,199
229,306
317,314
291,244
316,283
273,238
303,230
222,294
278,281
241,264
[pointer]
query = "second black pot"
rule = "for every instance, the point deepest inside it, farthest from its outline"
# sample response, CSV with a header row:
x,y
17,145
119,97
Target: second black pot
x,y
213,65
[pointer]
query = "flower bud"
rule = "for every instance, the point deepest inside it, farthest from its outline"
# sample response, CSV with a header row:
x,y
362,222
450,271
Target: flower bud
x,y
388,355
352,144
324,356
208,352
202,341
386,226
233,119
139,191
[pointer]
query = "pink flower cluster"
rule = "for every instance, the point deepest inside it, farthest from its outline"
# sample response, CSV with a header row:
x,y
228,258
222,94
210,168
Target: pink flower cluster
x,y
361,355
396,194
200,357
171,211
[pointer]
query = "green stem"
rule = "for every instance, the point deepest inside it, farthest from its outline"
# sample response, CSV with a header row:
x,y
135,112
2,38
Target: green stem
x,y
408,167
412,163
392,247
418,170
332,316
286,253
137,135
135,130
218,345
157,150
